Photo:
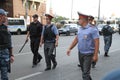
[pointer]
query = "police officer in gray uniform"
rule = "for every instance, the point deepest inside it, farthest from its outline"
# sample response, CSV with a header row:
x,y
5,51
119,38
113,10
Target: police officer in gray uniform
x,y
88,45
50,39
107,34
6,55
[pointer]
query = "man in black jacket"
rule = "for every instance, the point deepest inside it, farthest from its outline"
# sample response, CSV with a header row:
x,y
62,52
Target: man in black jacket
x,y
34,32
107,34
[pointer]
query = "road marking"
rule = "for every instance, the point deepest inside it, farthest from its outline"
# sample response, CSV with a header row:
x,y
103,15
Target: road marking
x,y
114,50
28,76
20,54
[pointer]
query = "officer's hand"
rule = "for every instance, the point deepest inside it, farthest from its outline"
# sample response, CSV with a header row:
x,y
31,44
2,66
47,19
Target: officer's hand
x,y
68,52
56,44
27,39
40,44
95,58
12,59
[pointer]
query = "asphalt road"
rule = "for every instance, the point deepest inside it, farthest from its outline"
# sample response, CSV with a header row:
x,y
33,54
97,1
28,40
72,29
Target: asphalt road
x,y
67,65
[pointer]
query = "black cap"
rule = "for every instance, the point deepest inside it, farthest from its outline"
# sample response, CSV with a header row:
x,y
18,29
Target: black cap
x,y
108,22
35,16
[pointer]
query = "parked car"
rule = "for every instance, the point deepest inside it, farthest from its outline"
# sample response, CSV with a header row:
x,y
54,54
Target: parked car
x,y
100,26
68,29
17,25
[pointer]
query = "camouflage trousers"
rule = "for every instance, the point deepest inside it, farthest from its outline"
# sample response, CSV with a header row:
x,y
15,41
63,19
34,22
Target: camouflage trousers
x,y
107,42
4,63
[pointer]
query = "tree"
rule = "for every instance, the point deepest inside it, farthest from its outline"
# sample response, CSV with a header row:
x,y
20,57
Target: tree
x,y
59,18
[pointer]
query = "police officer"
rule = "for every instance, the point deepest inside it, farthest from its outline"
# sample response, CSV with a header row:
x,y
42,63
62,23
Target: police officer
x,y
34,32
92,21
107,34
5,47
50,38
92,24
88,45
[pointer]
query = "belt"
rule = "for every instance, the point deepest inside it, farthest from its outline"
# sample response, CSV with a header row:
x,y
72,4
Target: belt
x,y
48,41
2,47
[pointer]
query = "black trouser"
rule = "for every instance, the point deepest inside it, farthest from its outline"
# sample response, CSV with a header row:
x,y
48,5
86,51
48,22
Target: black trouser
x,y
85,61
79,57
48,52
34,48
107,42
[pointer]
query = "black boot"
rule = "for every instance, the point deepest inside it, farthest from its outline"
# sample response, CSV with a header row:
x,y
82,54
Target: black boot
x,y
47,69
54,61
106,54
34,65
39,60
79,65
54,65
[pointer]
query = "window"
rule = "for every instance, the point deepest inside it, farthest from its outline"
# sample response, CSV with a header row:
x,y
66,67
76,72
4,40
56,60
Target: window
x,y
15,22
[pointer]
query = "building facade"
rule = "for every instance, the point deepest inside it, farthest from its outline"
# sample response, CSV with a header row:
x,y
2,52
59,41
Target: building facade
x,y
25,9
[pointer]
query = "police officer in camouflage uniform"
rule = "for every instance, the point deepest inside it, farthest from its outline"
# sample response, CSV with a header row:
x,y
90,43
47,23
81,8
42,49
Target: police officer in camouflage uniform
x,y
6,55
88,45
107,34
50,38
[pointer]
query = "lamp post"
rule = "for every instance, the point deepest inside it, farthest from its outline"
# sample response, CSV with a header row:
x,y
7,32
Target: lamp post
x,y
71,9
26,9
99,9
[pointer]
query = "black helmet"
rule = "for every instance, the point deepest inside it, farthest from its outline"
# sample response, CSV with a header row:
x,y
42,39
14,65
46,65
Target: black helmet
x,y
108,22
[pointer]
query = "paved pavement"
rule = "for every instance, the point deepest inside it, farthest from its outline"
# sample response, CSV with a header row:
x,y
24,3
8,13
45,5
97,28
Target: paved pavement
x,y
67,66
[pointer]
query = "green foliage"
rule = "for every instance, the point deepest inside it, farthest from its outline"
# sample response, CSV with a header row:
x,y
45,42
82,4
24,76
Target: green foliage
x,y
59,18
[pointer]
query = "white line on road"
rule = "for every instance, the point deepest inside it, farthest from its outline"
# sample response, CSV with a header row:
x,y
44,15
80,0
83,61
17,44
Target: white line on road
x,y
114,50
28,76
20,54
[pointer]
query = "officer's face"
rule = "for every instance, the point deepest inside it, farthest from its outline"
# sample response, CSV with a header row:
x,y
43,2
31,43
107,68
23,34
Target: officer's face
x,y
81,21
35,19
48,21
2,18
